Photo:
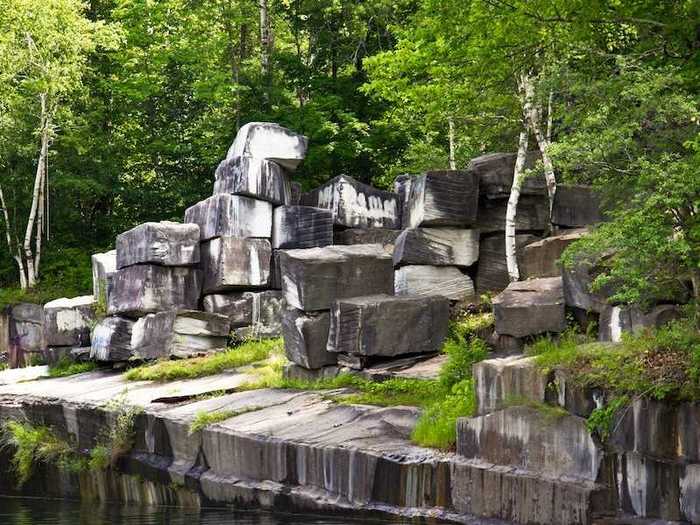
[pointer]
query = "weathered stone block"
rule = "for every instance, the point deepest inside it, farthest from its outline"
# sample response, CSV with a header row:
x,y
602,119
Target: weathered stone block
x,y
532,214
530,307
111,340
166,243
253,177
294,372
354,204
266,311
492,272
578,279
443,198
295,194
146,288
495,172
305,338
384,325
366,236
540,258
313,279
103,267
233,262
615,320
67,322
447,281
266,140
301,227
402,188
576,206
231,215
437,247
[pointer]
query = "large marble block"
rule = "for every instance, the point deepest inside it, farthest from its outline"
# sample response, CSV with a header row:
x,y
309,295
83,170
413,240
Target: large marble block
x,y
540,259
576,206
231,215
253,177
532,214
402,188
306,337
251,314
266,140
166,243
349,236
447,281
355,205
111,340
152,335
313,279
25,329
232,262
492,272
437,247
301,227
146,288
385,325
68,322
103,267
530,307
495,172
443,198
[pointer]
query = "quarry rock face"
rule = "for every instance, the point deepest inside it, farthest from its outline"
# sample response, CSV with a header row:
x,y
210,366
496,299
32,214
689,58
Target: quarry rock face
x,y
233,262
615,320
67,322
231,215
261,311
576,206
253,177
539,259
495,172
447,281
443,198
305,338
366,236
266,140
532,216
152,335
492,272
578,280
530,307
437,247
166,243
111,340
103,267
296,227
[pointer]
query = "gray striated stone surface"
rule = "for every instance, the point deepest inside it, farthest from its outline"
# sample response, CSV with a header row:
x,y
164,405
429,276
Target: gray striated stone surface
x,y
166,243
530,307
437,247
615,320
495,172
443,198
253,177
575,206
67,322
266,140
152,335
577,281
259,311
231,215
532,215
402,188
103,267
447,281
196,332
540,258
295,195
350,236
232,262
301,227
492,272
384,325
295,372
111,340
305,338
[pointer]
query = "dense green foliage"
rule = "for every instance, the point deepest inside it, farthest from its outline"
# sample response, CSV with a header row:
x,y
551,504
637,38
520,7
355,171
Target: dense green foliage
x,y
67,367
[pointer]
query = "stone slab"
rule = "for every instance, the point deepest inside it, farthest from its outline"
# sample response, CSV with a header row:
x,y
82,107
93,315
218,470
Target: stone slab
x,y
532,214
253,177
231,215
267,140
447,281
492,272
495,172
166,243
67,322
437,247
530,307
294,372
111,340
576,206
301,227
540,258
616,320
351,236
443,198
250,309
266,311
232,262
306,337
104,265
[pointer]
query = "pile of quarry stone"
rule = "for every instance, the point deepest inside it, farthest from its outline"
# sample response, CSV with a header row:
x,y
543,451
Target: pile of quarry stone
x,y
67,326
21,333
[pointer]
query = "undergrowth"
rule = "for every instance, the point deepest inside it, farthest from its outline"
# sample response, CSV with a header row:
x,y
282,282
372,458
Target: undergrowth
x,y
66,367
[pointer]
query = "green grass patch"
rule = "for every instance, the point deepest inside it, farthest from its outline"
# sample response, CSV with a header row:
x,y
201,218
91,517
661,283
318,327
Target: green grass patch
x,y
66,367
203,419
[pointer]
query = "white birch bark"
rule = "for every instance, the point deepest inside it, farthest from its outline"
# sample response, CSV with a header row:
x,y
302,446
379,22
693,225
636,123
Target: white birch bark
x,y
14,250
265,48
534,116
512,208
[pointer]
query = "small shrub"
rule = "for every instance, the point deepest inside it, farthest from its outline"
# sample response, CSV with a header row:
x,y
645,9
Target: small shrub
x,y
118,439
100,458
462,353
204,419
602,420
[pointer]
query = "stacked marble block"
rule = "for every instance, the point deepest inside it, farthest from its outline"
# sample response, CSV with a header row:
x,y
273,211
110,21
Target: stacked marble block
x,y
67,327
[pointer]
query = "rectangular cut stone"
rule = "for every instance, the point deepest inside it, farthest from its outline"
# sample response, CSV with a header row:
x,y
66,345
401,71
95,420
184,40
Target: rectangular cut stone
x,y
575,206
166,243
237,306
500,380
530,307
111,340
495,172
313,279
443,198
350,236
266,309
232,262
103,267
147,288
68,322
492,272
447,281
231,215
355,205
437,247
532,214
402,188
152,335
385,325
301,227
540,259
305,338
266,140
24,331
253,177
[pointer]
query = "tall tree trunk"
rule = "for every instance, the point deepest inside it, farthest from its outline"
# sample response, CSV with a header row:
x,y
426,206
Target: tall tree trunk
x,y
512,209
14,249
534,116
265,50
451,122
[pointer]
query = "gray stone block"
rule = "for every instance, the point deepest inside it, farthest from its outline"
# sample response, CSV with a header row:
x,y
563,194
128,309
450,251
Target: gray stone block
x,y
306,337
354,204
495,172
294,372
437,247
111,340
351,236
266,140
237,306
313,279
384,325
232,262
266,310
68,322
295,194
152,335
501,380
616,320
253,177
447,281
576,206
540,258
492,272
578,279
28,313
103,267
166,243
402,188
530,307
231,215
301,227
443,198
532,215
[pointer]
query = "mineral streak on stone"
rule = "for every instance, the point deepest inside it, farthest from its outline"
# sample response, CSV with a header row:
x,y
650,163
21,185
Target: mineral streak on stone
x,y
355,205
384,325
402,188
266,310
266,140
152,335
111,340
313,279
615,320
233,262
540,259
575,206
495,172
231,215
532,215
103,267
305,338
443,198
166,243
253,177
437,247
366,236
492,272
530,307
447,281
67,322
301,227
146,288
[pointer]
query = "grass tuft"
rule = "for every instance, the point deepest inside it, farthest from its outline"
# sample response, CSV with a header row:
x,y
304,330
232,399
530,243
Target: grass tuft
x,y
204,419
66,367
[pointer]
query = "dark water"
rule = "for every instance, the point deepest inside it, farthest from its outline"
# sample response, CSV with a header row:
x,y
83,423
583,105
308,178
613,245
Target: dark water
x,y
27,511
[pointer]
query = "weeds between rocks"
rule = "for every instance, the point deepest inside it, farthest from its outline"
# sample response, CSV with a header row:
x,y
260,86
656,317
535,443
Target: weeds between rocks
x,y
66,367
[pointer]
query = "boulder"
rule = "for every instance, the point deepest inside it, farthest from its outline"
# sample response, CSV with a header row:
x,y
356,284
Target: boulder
x,y
578,279
492,272
301,227
111,340
443,198
576,206
530,307
540,258
68,322
532,215
495,172
266,310
385,325
231,215
402,188
253,177
233,262
366,236
437,247
146,288
614,320
354,204
166,243
266,140
152,335
103,267
447,281
314,278
306,337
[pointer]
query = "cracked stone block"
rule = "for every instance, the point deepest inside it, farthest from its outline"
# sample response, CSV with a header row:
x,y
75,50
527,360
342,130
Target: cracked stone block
x,y
530,307
266,309
437,247
232,262
351,236
402,188
495,172
354,204
492,272
576,206
615,320
532,215
111,340
385,325
443,198
103,267
295,194
231,215
447,281
267,140
306,337
67,322
540,258
253,177
166,243
301,227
